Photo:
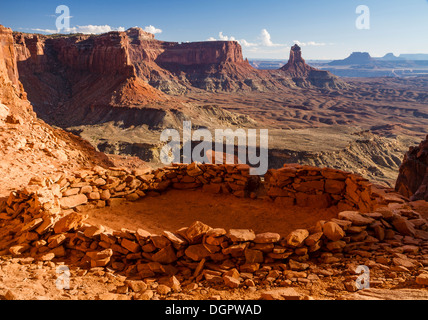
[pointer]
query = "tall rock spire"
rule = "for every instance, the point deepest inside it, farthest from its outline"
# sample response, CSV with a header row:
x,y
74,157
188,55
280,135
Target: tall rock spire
x,y
296,65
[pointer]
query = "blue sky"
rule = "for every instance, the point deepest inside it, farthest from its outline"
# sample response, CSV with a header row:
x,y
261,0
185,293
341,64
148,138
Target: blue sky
x,y
325,29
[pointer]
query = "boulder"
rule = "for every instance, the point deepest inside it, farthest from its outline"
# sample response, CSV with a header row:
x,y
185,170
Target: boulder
x,y
412,181
197,252
73,201
165,255
404,226
241,235
422,279
297,237
333,231
196,231
267,237
69,222
355,217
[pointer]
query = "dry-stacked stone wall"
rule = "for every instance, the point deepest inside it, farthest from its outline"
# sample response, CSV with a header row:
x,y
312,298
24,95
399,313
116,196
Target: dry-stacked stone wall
x,y
101,187
46,220
309,186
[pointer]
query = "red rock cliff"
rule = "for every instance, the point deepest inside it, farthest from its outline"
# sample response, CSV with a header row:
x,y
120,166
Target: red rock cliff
x,y
86,74
105,54
412,180
39,148
12,93
90,74
211,52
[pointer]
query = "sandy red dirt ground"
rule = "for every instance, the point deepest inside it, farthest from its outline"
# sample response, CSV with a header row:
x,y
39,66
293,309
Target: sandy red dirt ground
x,y
176,209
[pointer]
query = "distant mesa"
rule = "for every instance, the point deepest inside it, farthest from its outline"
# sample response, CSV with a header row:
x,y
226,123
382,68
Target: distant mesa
x,y
356,58
390,57
364,58
414,56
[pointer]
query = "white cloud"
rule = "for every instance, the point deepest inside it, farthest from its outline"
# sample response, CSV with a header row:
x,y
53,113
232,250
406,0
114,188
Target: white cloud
x,y
88,29
44,30
245,43
264,46
223,37
310,43
152,29
266,40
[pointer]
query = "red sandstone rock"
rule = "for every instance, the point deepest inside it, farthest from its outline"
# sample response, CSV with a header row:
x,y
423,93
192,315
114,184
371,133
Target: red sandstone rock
x,y
73,201
69,222
404,226
267,237
241,235
334,186
194,53
333,231
422,279
296,65
197,252
305,75
296,237
122,69
355,217
130,245
165,255
196,231
253,256
412,181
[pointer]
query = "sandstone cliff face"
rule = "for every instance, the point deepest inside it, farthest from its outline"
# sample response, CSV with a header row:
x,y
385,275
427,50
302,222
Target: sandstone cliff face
x,y
176,68
105,54
86,74
11,91
131,71
212,52
28,145
412,180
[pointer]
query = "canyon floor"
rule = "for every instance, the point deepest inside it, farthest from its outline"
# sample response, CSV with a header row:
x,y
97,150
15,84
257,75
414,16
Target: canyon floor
x,y
365,129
